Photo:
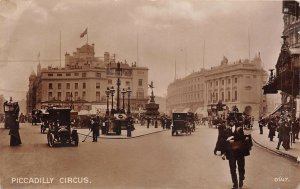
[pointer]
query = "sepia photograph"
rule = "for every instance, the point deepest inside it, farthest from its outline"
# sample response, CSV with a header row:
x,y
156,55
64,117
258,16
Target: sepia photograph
x,y
149,94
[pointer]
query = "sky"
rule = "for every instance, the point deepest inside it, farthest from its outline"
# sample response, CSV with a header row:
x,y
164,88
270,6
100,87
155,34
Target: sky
x,y
161,31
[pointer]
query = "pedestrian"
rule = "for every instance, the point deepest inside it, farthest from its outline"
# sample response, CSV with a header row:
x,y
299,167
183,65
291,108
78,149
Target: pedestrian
x,y
261,124
222,136
286,135
280,132
130,126
294,128
168,123
148,122
95,126
236,147
12,115
272,128
297,128
163,122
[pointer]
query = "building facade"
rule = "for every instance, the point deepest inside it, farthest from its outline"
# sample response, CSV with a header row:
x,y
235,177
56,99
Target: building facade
x,y
236,84
83,81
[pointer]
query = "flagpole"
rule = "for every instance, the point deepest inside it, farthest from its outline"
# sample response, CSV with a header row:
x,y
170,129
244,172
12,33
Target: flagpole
x,y
203,56
87,36
137,48
59,48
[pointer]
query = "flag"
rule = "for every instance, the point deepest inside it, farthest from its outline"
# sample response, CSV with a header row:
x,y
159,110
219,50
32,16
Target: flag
x,y
38,56
83,33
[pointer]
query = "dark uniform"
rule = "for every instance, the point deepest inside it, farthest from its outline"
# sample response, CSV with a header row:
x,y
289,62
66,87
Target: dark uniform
x,y
261,124
272,129
235,151
130,126
95,129
148,122
13,123
295,128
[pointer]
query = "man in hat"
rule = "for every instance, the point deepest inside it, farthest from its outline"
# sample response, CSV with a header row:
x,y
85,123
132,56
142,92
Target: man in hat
x,y
12,119
95,128
130,125
272,128
235,150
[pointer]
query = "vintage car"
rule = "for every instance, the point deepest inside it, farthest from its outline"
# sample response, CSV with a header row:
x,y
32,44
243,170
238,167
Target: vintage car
x,y
181,124
60,130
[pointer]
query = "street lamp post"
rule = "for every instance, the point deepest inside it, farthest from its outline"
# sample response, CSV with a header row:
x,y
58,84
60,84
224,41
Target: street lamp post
x,y
128,107
112,91
123,95
107,92
118,72
71,100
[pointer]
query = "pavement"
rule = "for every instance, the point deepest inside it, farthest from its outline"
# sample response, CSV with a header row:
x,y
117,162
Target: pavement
x,y
263,141
138,132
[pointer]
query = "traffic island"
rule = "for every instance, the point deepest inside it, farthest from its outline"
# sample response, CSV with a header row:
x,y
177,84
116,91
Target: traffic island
x,y
138,132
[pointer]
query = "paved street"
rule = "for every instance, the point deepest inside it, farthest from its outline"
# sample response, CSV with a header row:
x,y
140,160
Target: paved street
x,y
153,161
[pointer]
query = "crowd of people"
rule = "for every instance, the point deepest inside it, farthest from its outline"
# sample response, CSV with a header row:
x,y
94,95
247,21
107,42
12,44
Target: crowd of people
x,y
286,126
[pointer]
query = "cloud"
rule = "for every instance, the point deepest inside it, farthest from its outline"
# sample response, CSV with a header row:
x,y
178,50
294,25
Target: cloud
x,y
7,7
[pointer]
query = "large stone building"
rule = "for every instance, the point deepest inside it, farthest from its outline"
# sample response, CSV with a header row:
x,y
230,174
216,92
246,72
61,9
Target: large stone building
x,y
84,80
239,83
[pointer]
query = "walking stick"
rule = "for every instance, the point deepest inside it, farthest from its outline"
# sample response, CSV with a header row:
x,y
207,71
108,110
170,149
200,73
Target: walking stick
x,y
87,136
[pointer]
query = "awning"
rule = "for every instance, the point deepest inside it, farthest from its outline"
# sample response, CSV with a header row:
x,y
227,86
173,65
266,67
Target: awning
x,y
277,109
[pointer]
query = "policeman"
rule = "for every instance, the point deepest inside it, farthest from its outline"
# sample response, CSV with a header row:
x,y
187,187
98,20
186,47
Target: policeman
x,y
130,126
95,129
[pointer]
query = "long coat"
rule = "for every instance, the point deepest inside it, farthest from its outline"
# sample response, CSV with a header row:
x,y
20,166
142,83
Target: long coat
x,y
272,129
237,146
15,138
95,127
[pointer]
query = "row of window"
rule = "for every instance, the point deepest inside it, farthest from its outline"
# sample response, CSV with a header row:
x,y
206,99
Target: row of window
x,y
74,96
127,83
216,97
223,82
75,74
76,85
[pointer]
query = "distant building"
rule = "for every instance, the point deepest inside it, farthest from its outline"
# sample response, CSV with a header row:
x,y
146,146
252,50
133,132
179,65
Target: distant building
x,y
84,80
239,83
162,104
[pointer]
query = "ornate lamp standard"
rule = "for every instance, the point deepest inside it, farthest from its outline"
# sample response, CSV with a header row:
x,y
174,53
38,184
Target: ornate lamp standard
x,y
71,95
107,92
128,107
123,95
112,91
118,73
